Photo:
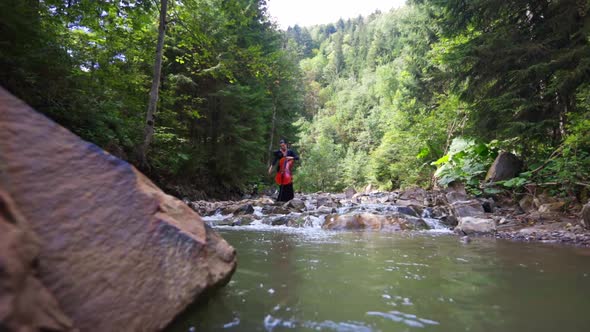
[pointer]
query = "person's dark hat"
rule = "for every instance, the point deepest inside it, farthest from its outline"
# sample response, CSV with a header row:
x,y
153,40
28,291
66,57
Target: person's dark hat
x,y
282,140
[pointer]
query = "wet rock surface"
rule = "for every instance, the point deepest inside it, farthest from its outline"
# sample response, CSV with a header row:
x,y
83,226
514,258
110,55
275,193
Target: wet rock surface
x,y
25,303
529,218
117,253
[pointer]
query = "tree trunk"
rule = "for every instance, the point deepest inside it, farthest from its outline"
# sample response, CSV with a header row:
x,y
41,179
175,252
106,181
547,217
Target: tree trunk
x,y
153,103
272,129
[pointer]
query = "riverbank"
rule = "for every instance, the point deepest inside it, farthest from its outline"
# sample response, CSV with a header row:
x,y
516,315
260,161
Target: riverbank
x,y
533,219
562,228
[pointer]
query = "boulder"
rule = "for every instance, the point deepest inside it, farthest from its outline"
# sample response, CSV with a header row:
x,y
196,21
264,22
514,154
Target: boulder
x,y
526,203
456,196
585,216
25,303
372,221
472,225
325,201
551,207
471,208
457,186
117,252
406,210
295,204
325,210
415,193
349,192
506,166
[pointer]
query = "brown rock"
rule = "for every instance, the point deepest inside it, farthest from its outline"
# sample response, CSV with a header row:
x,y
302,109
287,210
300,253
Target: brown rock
x,y
295,204
526,203
506,166
349,192
414,193
585,214
25,304
470,208
117,253
551,207
472,225
371,221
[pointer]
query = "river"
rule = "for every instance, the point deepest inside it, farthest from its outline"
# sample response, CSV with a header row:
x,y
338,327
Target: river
x,y
309,279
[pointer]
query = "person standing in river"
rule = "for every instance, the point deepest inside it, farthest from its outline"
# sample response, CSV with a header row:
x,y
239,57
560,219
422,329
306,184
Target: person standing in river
x,y
285,190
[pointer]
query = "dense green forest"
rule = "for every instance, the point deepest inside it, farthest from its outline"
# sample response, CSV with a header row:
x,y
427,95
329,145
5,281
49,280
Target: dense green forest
x,y
228,85
439,87
421,95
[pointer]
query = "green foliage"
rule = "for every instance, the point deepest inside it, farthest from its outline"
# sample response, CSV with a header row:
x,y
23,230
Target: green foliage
x,y
517,182
321,170
88,65
467,162
382,95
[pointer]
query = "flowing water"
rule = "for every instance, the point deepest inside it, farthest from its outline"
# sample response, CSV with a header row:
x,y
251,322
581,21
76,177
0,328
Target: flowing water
x,y
308,279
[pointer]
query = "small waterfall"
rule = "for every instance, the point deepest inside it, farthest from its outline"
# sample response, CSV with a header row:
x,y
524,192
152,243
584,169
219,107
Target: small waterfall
x,y
433,223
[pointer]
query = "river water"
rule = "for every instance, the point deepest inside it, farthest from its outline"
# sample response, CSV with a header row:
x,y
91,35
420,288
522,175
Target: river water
x,y
308,279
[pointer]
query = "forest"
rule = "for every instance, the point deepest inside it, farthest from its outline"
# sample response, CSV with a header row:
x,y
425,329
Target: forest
x,y
196,93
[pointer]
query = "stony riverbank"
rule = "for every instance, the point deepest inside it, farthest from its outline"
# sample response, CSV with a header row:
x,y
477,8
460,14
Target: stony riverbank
x,y
539,218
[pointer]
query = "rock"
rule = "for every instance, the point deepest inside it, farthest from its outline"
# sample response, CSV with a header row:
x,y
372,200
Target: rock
x,y
472,225
506,166
372,221
237,209
450,221
357,197
25,303
415,194
382,200
585,216
295,204
279,221
471,208
551,207
242,221
349,192
456,186
526,203
117,252
325,210
487,204
275,210
263,201
244,209
324,200
406,210
455,196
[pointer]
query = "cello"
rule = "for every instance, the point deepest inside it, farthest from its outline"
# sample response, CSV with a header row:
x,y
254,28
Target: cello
x,y
284,175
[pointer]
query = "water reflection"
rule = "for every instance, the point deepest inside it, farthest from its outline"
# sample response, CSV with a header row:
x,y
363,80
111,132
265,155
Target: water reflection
x,y
373,281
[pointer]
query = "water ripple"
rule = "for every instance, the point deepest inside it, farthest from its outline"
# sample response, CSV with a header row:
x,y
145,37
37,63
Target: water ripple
x,y
407,319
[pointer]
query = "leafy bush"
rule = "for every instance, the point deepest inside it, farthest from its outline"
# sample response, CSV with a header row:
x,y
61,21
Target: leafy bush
x,y
467,161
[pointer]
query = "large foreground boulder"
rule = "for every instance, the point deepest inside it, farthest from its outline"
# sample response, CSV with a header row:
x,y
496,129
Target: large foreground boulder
x,y
25,304
117,252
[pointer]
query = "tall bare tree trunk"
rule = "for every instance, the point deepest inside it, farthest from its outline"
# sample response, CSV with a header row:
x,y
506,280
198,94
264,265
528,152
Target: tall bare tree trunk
x,y
153,103
272,129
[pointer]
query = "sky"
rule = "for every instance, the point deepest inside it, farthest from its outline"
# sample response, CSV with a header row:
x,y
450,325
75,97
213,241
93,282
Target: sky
x,y
310,12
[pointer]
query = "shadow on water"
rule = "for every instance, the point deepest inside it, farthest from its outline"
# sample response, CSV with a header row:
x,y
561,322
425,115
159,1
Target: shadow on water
x,y
374,281
216,311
